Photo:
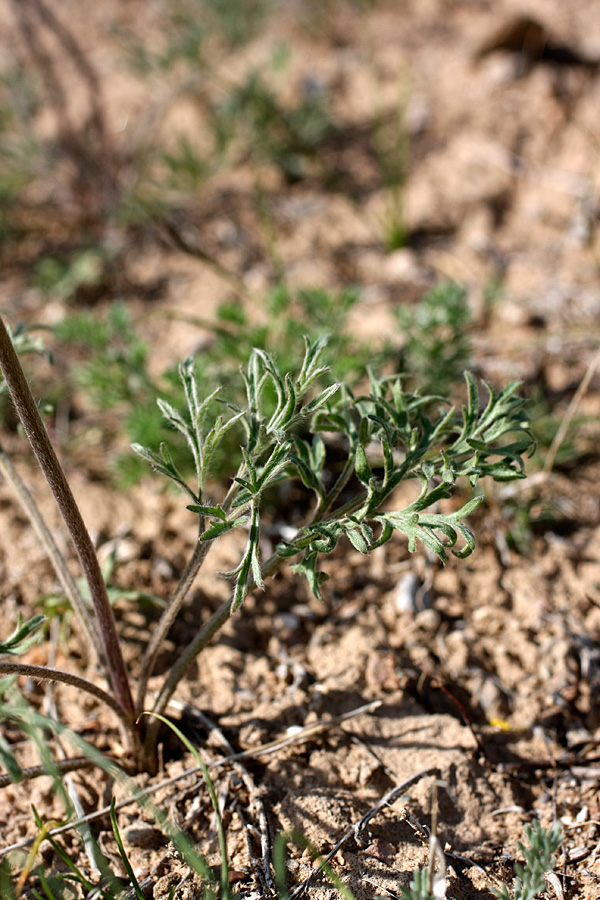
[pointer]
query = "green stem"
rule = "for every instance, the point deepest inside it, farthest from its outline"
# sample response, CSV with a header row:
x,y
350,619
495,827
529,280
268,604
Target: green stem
x,y
44,451
208,630
327,501
168,618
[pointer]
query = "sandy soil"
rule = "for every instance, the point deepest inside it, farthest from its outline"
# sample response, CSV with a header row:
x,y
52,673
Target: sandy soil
x,y
489,691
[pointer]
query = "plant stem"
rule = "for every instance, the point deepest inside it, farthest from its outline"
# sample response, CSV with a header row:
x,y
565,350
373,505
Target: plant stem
x,y
327,501
44,451
218,618
56,558
208,630
167,619
45,673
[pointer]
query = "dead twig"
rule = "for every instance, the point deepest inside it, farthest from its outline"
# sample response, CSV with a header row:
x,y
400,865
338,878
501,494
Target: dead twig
x,y
264,750
356,829
175,236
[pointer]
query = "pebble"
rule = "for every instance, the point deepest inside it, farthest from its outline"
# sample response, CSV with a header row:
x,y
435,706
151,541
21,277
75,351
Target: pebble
x,y
409,596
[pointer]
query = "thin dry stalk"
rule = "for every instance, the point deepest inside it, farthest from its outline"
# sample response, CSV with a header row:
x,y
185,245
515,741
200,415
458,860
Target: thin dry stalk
x,y
573,407
45,673
356,829
44,534
41,445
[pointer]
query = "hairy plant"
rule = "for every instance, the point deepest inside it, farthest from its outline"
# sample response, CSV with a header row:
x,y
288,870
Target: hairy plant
x,y
538,856
286,424
112,371
437,346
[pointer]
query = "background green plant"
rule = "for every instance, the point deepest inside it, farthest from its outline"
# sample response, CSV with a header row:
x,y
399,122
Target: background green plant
x,y
112,371
437,345
392,146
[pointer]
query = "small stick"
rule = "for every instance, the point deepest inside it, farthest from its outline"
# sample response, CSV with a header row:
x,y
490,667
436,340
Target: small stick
x,y
72,764
45,673
69,585
177,237
354,830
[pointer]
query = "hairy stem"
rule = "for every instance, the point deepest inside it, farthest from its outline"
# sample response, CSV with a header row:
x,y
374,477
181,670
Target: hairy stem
x,y
44,451
167,619
327,501
45,673
218,619
44,534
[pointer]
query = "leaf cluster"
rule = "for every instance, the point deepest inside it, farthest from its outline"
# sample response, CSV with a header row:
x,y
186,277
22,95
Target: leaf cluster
x,y
538,856
436,342
113,372
389,436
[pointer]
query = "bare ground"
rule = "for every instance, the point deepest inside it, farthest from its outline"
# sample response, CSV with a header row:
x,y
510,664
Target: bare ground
x,y
490,690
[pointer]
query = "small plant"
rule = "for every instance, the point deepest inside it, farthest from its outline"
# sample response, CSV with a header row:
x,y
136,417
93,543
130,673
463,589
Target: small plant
x,y
63,278
423,887
538,859
392,146
113,374
288,137
388,436
436,343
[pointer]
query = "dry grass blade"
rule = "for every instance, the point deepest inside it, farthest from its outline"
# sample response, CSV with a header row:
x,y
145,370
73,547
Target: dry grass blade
x,y
573,407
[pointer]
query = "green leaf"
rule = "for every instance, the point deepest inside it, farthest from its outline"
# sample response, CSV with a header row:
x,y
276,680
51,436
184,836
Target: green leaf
x,y
321,399
249,565
215,530
10,764
124,858
214,511
357,539
24,635
308,567
309,479
362,467
286,551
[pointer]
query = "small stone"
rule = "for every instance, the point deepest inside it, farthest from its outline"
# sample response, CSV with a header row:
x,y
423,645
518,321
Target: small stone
x,y
409,595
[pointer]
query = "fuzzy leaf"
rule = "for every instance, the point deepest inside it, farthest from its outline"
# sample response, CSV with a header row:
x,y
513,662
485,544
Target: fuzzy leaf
x,y
308,567
214,511
362,468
